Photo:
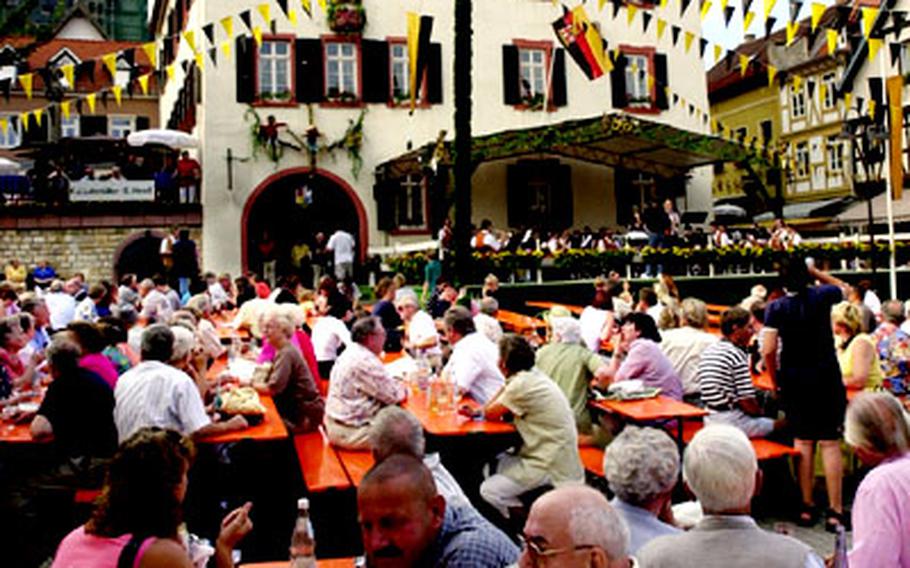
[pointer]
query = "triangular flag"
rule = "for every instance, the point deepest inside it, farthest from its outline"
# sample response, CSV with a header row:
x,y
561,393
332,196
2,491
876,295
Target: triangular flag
x,y
151,52
617,4
39,113
90,99
69,73
322,5
266,12
769,25
871,110
795,7
227,23
831,36
747,6
144,83
702,45
650,82
246,19
257,35
792,29
661,27
728,15
190,37
283,4
743,64
810,87
170,72
200,61
869,16
822,91
4,125
292,16
118,94
213,55
718,50
23,120
645,21
847,98
723,4
769,5
797,82
772,72
895,50
65,109
226,49
874,45
688,41
26,81
110,61
683,6
600,5
209,31
631,9
674,34
747,20
705,8
818,10
305,5
663,4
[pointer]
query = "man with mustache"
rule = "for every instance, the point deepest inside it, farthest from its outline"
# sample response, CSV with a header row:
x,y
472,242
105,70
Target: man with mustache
x,y
404,522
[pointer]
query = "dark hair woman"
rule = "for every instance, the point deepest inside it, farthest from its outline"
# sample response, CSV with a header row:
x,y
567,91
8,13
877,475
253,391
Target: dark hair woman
x,y
90,340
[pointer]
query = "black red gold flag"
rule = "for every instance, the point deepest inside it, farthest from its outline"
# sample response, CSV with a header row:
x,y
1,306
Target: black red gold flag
x,y
582,40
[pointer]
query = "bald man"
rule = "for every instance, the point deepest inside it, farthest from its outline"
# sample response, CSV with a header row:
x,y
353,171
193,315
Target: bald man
x,y
574,526
404,522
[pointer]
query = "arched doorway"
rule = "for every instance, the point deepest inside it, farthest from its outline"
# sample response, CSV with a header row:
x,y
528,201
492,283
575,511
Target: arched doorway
x,y
290,207
139,254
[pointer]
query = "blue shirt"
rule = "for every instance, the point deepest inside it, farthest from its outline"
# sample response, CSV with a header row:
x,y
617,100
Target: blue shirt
x,y
45,273
467,539
40,340
643,525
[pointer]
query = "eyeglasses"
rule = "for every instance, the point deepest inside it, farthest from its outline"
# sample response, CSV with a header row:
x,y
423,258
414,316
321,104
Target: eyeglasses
x,y
537,553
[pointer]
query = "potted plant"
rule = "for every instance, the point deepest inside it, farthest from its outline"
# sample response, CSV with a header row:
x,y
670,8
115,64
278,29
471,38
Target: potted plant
x,y
346,16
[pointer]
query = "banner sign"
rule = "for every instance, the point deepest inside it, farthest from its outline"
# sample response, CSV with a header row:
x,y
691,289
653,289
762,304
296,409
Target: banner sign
x,y
112,190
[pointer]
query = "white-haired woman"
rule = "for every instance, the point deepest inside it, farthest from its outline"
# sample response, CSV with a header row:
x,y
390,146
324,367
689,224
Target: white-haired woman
x,y
182,356
641,466
201,306
860,366
291,382
877,429
301,339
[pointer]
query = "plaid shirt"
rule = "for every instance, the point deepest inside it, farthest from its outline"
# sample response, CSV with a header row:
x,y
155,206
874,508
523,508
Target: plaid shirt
x,y
469,540
360,386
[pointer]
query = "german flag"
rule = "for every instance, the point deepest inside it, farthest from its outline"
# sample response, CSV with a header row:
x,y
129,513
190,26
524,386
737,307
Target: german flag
x,y
582,40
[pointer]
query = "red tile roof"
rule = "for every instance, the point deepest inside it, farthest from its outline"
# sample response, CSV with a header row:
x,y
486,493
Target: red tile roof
x,y
84,50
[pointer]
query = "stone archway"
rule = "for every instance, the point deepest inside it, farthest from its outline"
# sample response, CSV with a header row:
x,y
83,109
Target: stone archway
x,y
275,210
139,254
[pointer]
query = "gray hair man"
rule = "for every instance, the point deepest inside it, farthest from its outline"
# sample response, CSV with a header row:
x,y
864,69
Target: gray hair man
x,y
422,336
720,468
641,466
574,526
485,320
472,365
683,345
396,431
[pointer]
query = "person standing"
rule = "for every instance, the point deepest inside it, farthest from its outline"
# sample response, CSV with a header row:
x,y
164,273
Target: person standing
x,y
189,172
341,244
186,263
657,223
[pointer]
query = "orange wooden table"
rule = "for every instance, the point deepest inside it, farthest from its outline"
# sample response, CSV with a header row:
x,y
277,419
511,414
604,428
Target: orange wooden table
x,y
450,423
331,563
271,428
763,381
513,321
18,434
226,332
550,305
652,409
319,463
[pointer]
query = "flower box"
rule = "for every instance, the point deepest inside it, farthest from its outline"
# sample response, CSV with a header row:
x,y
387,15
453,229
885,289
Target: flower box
x,y
347,17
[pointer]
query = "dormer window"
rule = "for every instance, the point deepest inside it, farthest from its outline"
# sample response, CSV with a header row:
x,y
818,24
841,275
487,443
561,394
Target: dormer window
x,y
62,58
124,71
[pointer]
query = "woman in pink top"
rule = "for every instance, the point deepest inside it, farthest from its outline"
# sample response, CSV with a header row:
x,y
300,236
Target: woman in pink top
x,y
90,340
301,340
141,507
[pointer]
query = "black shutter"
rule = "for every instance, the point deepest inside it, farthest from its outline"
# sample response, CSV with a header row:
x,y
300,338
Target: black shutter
x,y
558,81
561,196
434,74
618,83
660,81
90,125
375,71
142,123
511,95
246,59
383,193
417,204
35,134
309,71
516,195
876,93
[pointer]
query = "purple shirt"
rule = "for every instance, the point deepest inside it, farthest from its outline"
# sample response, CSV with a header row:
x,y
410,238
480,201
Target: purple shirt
x,y
647,363
881,517
101,366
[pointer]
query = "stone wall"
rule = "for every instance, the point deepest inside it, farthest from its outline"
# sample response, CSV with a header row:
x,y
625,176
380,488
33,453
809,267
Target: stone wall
x,y
90,250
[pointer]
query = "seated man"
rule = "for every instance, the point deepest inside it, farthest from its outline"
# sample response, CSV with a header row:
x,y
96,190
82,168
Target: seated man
x,y
641,466
544,420
571,365
720,468
421,336
156,306
725,380
684,345
405,523
485,320
359,387
154,393
472,365
397,431
575,526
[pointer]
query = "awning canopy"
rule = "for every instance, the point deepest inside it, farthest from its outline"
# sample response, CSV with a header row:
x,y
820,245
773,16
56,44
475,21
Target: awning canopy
x,y
858,213
806,209
616,140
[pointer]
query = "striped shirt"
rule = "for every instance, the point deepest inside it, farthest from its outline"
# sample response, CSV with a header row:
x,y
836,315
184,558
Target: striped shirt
x,y
723,375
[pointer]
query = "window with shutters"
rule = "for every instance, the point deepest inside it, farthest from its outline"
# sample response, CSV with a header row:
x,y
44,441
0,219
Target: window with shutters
x,y
11,137
639,80
797,101
534,69
399,72
835,155
638,69
801,160
120,126
69,127
539,194
275,71
410,205
342,70
830,90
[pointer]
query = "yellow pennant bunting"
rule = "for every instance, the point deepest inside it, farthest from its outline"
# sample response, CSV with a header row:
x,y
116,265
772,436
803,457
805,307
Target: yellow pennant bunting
x,y
792,28
144,83
723,4
661,27
797,82
4,125
170,72
26,82
226,48
322,4
190,37
871,108
818,9
822,91
705,8
91,99
769,5
266,12
714,125
39,114
292,16
743,65
257,35
69,73
874,45
110,61
772,72
869,15
663,4
688,40
65,109
600,4
118,94
227,23
650,82
151,52
848,98
831,36
718,51
200,60
23,120
747,20
631,9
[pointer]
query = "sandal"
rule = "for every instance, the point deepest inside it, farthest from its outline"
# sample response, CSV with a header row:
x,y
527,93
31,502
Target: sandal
x,y
808,516
833,519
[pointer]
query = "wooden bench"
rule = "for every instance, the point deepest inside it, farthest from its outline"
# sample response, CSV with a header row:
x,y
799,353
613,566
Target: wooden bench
x,y
356,463
764,449
86,496
592,458
319,463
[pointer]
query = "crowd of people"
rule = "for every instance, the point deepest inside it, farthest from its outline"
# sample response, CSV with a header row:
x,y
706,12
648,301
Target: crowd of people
x,y
128,393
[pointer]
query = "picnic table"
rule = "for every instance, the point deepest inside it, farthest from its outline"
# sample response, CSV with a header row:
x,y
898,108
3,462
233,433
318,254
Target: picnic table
x,y
11,433
519,323
763,381
270,429
550,305
659,408
451,423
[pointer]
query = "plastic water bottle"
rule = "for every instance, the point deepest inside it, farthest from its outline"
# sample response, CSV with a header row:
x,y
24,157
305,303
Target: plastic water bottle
x,y
303,542
840,548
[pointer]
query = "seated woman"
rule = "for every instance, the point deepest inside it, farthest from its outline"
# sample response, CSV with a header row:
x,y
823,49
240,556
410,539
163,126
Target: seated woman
x,y
856,351
301,340
140,510
330,333
291,383
12,341
113,333
637,355
88,336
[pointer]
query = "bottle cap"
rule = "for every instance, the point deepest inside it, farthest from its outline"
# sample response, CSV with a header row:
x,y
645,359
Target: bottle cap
x,y
303,503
